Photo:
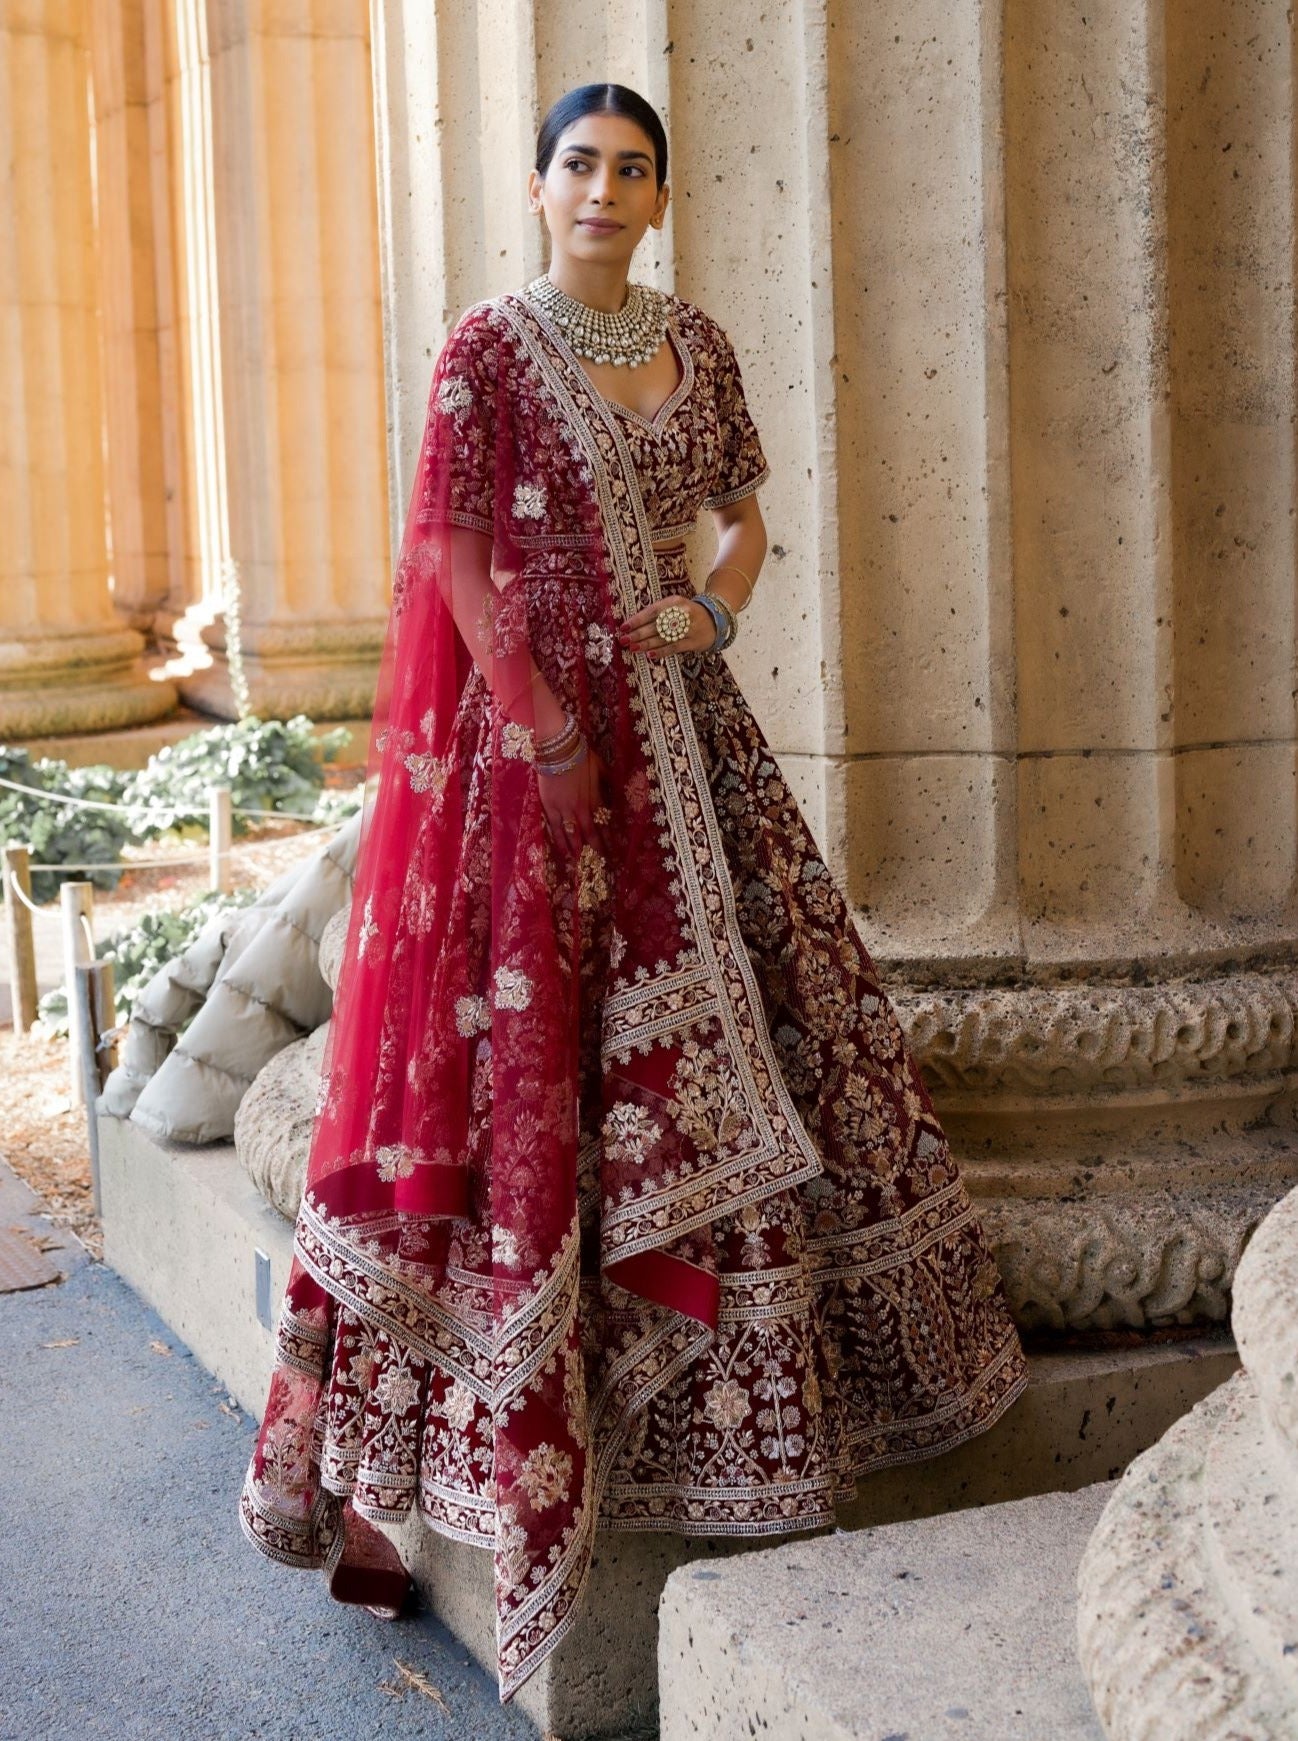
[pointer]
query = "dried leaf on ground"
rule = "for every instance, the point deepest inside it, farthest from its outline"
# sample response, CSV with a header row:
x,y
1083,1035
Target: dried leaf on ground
x,y
159,1347
63,1342
414,1678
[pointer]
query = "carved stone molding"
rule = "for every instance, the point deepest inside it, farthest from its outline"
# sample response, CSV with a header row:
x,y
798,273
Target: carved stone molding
x,y
1103,1039
1139,1261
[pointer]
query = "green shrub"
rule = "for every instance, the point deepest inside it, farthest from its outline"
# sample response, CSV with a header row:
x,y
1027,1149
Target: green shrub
x,y
267,764
62,833
140,951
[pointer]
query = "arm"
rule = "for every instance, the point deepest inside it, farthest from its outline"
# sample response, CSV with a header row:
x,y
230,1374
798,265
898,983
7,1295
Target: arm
x,y
473,599
741,540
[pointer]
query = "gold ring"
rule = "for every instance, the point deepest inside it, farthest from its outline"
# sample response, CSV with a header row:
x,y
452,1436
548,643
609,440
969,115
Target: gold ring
x,y
672,623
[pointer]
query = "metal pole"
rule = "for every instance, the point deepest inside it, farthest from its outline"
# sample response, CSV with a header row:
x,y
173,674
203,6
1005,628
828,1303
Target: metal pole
x,y
76,909
22,948
221,830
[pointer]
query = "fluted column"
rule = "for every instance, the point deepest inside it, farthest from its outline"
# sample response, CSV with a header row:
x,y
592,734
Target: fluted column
x,y
133,255
67,662
1012,289
295,234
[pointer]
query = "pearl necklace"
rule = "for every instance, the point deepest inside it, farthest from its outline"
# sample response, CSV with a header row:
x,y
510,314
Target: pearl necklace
x,y
630,336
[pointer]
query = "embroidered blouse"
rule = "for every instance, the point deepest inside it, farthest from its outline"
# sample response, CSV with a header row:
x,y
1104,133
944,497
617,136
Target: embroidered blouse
x,y
701,449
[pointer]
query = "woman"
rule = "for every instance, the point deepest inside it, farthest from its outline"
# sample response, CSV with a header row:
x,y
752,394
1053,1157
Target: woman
x,y
627,1203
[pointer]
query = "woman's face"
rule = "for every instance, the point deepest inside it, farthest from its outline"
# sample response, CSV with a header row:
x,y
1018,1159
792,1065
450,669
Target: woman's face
x,y
599,194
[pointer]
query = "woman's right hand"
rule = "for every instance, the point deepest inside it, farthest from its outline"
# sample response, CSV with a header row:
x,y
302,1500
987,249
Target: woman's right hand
x,y
570,800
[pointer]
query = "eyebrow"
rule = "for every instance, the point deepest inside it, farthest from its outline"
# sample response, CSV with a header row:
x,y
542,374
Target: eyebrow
x,y
592,151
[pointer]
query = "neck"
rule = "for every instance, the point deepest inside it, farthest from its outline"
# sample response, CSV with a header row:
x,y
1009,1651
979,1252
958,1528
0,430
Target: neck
x,y
598,286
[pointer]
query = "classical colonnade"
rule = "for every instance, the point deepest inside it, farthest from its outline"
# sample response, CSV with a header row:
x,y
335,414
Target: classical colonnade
x,y
1012,282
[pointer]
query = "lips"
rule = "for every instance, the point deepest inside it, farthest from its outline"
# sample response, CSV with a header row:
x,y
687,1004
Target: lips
x,y
597,227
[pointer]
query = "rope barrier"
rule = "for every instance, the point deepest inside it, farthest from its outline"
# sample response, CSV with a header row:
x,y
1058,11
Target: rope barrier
x,y
17,888
139,810
122,866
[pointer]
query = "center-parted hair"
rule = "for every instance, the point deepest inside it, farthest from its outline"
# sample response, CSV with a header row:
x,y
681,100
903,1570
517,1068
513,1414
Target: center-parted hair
x,y
601,99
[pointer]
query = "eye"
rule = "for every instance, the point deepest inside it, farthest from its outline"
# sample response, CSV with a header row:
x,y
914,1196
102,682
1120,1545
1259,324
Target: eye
x,y
634,168
575,163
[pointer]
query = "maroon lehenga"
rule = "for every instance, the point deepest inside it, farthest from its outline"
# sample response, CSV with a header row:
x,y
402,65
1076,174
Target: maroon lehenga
x,y
627,1204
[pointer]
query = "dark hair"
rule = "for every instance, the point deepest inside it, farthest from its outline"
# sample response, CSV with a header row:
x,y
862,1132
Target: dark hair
x,y
601,99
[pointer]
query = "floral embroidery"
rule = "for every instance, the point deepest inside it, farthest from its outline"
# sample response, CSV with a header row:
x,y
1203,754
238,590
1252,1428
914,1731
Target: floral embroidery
x,y
630,1132
454,395
513,989
368,930
504,1246
592,884
428,773
396,1161
458,1406
529,501
726,1405
517,741
545,1475
472,1015
599,645
397,1390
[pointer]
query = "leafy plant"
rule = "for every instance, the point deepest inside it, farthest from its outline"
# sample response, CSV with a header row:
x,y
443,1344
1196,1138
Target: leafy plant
x,y
63,833
138,952
267,764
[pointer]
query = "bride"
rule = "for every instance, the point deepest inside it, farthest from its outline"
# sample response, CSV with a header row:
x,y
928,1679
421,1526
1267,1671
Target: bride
x,y
627,1206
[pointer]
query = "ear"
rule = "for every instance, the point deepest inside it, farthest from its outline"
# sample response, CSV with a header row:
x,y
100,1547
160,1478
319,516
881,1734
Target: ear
x,y
660,209
535,187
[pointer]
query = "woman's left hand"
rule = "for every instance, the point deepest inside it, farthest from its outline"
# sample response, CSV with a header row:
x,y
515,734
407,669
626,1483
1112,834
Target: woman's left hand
x,y
638,634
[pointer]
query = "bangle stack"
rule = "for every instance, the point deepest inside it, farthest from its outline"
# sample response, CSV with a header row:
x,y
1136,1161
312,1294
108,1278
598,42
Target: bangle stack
x,y
556,754
726,622
723,614
739,571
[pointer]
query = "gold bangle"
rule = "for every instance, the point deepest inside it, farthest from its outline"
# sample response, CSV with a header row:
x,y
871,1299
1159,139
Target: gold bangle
x,y
739,571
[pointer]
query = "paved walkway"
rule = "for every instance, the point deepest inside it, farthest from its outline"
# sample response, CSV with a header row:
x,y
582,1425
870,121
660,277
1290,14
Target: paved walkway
x,y
133,1606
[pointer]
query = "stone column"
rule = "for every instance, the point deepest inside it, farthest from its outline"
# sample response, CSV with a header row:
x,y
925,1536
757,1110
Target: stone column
x,y
134,253
67,662
295,237
1012,290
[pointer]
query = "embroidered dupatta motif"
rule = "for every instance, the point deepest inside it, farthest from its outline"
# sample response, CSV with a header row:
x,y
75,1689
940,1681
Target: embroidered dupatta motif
x,y
434,1024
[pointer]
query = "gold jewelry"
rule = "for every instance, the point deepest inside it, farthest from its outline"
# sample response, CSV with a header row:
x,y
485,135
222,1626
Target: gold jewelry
x,y
739,571
672,623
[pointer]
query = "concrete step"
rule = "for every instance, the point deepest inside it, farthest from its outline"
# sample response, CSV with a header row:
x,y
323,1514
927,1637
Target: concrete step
x,y
960,1626
183,1226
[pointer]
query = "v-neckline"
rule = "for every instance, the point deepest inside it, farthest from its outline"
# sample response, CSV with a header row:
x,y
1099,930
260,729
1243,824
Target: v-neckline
x,y
658,422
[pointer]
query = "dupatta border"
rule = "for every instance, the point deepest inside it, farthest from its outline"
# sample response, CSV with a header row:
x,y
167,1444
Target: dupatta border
x,y
783,1154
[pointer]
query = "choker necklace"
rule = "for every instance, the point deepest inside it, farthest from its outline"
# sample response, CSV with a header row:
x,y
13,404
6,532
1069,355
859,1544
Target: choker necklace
x,y
631,336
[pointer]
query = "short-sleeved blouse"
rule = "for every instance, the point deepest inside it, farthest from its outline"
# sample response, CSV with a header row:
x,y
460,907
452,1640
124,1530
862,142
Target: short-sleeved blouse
x,y
700,450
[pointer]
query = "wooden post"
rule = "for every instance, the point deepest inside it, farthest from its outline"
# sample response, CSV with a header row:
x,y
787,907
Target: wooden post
x,y
98,1006
221,831
18,924
76,909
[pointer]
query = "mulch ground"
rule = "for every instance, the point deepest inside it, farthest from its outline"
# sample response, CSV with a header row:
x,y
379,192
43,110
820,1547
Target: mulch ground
x,y
43,1135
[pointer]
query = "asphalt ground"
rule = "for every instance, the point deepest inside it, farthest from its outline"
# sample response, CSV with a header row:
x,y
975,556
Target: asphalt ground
x,y
131,1606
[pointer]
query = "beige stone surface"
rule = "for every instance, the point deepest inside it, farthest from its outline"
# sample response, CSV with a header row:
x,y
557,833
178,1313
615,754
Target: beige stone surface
x,y
66,661
953,1627
1188,1588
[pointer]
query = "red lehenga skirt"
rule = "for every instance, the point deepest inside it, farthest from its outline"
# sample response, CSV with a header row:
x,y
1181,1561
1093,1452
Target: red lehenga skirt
x,y
859,1316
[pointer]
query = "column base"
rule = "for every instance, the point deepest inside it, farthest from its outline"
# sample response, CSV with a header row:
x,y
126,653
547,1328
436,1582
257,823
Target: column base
x,y
78,683
324,670
1122,1141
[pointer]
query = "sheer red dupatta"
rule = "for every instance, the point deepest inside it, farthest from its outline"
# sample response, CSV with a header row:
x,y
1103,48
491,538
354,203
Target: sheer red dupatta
x,y
464,1139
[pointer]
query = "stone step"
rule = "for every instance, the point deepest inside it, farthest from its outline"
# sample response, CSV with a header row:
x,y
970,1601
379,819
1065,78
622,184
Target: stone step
x,y
183,1227
960,1626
